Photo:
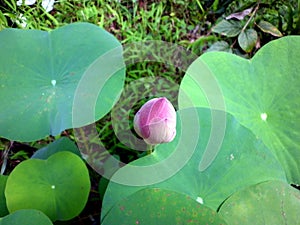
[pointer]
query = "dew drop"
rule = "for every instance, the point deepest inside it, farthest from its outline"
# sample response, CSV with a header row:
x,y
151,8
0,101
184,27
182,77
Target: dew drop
x,y
264,116
53,186
200,200
53,82
231,156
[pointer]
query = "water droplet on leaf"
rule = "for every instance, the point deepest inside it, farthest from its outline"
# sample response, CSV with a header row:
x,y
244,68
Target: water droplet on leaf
x,y
53,82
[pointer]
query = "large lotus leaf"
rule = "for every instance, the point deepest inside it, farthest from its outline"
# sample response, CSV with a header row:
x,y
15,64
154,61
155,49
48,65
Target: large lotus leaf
x,y
3,208
61,144
26,217
41,72
262,93
271,202
58,186
158,206
243,160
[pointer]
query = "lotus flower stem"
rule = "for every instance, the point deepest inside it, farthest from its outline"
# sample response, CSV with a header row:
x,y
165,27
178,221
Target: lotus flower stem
x,y
150,149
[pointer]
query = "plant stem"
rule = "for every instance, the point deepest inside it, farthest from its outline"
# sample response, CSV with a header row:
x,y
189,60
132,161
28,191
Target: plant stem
x,y
200,6
150,149
251,17
4,158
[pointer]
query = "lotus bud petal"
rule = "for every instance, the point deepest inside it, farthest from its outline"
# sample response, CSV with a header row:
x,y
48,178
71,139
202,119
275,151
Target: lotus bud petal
x,y
155,122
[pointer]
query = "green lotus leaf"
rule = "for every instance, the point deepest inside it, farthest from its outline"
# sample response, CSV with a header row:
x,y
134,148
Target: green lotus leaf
x,y
58,186
242,160
26,217
262,93
3,207
49,77
158,206
61,144
271,202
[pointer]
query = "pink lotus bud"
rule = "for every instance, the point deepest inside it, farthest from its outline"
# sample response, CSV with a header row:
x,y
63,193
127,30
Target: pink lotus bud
x,y
155,122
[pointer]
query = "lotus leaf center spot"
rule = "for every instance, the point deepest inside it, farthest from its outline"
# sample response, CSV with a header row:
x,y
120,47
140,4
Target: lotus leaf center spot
x,y
53,186
264,116
53,82
200,200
